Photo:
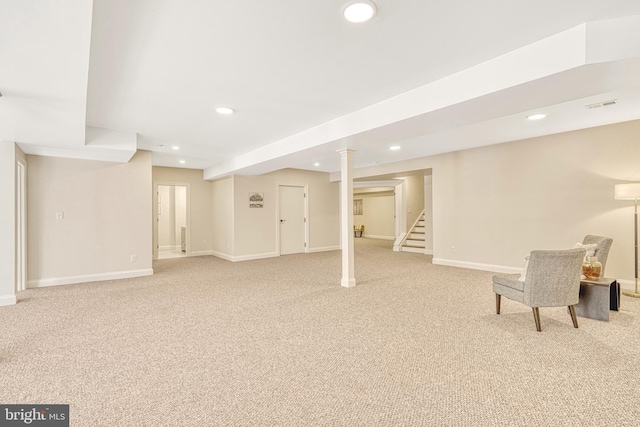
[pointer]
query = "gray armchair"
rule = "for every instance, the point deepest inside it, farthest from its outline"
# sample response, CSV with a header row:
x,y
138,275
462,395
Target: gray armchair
x,y
602,251
552,280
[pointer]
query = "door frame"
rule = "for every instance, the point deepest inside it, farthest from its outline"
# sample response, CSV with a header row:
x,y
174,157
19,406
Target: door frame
x,y
21,225
155,214
306,215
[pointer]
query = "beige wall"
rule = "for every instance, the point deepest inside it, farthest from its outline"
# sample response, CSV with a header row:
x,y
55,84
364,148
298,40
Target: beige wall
x,y
497,203
107,219
222,217
378,214
199,215
256,229
415,197
7,222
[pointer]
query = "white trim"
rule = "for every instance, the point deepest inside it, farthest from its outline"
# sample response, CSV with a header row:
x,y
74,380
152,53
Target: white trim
x,y
629,285
428,251
222,255
21,224
373,236
57,281
256,256
325,249
244,257
477,266
7,300
202,253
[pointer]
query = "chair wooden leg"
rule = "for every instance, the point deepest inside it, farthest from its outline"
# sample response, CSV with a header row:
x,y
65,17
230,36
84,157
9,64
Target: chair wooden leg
x,y
498,303
536,317
574,319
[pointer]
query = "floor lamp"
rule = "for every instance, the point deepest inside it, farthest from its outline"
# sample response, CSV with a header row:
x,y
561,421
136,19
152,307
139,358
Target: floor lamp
x,y
631,192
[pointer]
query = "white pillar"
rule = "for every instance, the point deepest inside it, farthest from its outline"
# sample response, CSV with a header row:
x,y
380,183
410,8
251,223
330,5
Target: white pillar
x,y
346,215
7,223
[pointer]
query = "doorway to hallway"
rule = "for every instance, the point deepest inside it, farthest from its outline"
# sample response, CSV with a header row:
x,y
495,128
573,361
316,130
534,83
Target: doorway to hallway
x,y
171,234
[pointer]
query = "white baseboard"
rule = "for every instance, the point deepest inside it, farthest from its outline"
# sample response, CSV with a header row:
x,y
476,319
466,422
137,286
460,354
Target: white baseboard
x,y
428,251
244,257
201,253
324,249
477,266
255,256
373,236
70,280
627,285
222,255
7,300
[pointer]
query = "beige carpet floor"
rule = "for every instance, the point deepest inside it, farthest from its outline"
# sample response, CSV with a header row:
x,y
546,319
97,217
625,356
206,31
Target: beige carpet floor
x,y
277,342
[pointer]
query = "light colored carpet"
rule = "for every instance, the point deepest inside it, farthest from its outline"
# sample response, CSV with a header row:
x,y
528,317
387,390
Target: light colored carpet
x,y
277,342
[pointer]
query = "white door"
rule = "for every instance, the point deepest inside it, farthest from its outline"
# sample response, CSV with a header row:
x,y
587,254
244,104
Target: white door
x,y
292,220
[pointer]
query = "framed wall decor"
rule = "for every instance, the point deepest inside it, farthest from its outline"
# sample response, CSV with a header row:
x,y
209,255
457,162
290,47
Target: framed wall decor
x,y
357,206
256,200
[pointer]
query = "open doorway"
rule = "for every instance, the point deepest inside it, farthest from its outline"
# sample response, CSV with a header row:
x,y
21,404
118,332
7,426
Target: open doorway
x,y
171,232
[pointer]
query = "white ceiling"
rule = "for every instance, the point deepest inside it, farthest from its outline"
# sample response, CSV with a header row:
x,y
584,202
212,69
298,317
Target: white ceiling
x,y
100,80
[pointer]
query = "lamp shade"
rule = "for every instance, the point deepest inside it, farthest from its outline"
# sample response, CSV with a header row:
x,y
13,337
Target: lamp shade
x,y
627,191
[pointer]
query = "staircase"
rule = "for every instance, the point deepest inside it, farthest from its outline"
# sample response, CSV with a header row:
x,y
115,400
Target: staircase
x,y
415,238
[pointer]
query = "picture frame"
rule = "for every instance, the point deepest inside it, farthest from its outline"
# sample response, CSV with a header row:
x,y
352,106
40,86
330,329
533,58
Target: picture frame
x,y
357,206
256,200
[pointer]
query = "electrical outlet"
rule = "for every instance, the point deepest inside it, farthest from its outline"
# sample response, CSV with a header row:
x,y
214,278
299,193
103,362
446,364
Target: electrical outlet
x,y
453,249
134,258
59,215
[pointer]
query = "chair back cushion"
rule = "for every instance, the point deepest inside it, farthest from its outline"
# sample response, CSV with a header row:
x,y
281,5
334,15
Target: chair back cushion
x,y
553,278
602,251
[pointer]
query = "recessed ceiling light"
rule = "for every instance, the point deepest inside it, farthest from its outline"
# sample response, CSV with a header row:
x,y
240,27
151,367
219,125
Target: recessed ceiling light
x,y
175,147
536,116
394,147
225,110
182,162
316,164
361,11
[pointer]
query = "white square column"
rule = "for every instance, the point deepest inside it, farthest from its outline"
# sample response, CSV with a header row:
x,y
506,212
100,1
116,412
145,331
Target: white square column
x,y
346,217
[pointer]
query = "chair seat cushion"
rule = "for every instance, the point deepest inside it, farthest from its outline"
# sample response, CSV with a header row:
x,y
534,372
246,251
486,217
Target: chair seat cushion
x,y
509,286
510,281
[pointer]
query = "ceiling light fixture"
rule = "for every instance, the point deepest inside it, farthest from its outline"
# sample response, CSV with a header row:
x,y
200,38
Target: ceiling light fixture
x,y
536,116
360,11
225,110
394,147
316,164
182,162
175,147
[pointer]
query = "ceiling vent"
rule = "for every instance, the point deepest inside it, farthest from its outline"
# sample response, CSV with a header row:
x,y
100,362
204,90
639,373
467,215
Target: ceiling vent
x,y
602,104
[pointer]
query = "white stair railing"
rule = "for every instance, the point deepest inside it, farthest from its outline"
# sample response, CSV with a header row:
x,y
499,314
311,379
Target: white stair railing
x,y
397,245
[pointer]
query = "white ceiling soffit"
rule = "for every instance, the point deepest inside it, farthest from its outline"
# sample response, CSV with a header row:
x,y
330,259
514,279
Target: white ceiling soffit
x,y
100,79
44,50
575,66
